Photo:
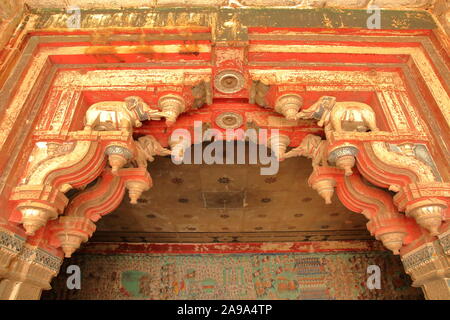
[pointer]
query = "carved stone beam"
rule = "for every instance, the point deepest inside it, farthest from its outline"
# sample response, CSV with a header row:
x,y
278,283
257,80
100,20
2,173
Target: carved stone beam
x,y
98,200
405,168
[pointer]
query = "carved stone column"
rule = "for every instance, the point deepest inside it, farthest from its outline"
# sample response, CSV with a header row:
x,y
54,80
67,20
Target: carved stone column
x,y
10,246
429,267
29,273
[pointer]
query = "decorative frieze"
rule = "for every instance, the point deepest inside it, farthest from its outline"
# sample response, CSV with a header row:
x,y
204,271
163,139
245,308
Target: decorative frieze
x,y
444,240
41,257
429,268
419,257
11,241
418,151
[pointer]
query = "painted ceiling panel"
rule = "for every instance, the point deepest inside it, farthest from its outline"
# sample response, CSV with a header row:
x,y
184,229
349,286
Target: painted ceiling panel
x,y
205,202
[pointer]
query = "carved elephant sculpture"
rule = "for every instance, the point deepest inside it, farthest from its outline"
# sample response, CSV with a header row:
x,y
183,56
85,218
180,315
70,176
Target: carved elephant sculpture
x,y
341,116
118,115
148,147
312,147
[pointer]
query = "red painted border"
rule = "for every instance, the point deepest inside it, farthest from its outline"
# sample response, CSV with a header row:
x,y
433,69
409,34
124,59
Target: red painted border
x,y
229,248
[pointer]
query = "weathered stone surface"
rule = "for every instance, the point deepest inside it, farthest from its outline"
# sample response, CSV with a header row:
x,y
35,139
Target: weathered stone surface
x,y
10,15
403,3
233,3
441,10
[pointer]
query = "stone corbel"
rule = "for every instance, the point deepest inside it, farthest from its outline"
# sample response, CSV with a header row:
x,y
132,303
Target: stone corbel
x,y
119,154
312,147
137,153
40,197
171,104
334,160
340,154
289,105
385,222
258,92
137,180
267,94
278,144
78,223
420,192
201,93
70,232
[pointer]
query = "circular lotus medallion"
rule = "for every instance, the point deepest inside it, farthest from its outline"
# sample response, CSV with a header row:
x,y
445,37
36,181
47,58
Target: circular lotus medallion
x,y
229,120
229,81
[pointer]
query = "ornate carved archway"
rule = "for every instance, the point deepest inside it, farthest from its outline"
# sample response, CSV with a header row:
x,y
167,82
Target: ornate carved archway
x,y
373,118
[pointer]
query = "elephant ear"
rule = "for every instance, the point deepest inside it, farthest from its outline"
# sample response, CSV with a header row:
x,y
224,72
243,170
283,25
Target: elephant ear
x,y
135,101
130,102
